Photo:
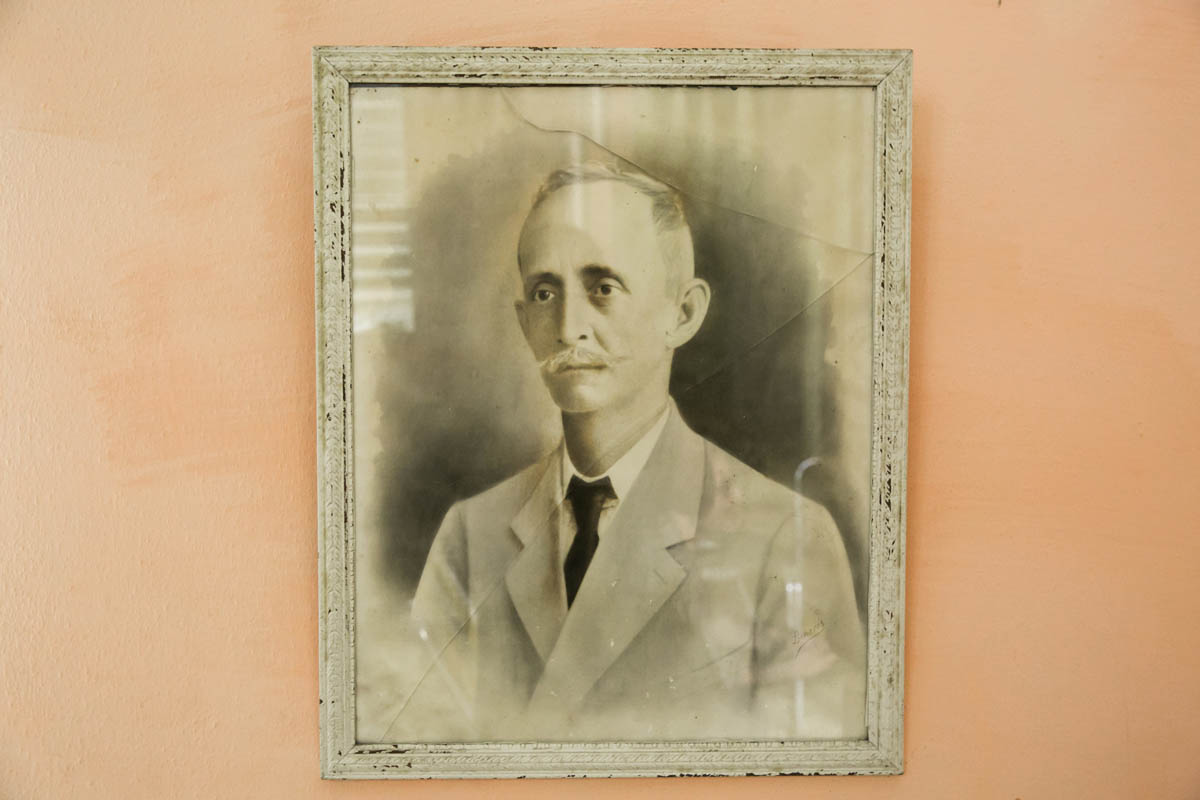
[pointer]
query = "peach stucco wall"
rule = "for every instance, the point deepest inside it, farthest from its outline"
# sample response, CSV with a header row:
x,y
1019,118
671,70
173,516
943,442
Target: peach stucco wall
x,y
157,480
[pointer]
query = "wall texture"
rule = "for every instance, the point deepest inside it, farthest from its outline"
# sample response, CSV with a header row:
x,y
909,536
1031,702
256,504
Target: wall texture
x,y
157,482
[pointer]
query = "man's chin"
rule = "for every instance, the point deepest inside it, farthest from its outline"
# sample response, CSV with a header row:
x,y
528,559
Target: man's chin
x,y
575,396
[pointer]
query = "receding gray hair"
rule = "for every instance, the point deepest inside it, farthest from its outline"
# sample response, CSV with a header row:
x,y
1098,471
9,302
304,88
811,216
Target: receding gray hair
x,y
666,202
666,207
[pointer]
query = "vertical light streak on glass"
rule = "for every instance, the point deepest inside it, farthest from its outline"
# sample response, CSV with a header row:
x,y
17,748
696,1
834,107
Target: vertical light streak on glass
x,y
794,587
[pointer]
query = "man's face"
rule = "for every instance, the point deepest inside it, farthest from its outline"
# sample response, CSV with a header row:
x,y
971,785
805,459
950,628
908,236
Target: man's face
x,y
598,301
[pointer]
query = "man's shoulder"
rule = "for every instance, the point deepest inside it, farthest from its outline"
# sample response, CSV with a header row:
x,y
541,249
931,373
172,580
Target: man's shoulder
x,y
732,481
505,497
736,490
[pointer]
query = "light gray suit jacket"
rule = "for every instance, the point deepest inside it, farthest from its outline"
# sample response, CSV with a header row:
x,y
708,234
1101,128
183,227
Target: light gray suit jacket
x,y
718,605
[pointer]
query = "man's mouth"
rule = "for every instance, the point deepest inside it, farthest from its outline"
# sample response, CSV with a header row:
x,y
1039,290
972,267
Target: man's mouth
x,y
580,367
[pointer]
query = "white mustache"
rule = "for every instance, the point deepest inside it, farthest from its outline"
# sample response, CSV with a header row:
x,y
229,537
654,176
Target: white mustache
x,y
576,357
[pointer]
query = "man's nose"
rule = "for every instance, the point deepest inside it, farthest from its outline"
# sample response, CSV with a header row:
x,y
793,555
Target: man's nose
x,y
573,321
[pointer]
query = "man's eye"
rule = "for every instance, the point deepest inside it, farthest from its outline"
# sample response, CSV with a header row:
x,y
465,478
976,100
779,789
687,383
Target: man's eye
x,y
542,295
605,290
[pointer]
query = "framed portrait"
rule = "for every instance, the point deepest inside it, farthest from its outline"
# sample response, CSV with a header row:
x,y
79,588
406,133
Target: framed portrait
x,y
612,355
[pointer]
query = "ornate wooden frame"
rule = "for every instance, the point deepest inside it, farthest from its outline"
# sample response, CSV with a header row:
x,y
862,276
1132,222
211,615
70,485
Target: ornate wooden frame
x,y
889,73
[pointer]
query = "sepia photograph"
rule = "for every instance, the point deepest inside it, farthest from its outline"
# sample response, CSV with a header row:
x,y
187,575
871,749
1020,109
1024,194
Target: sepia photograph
x,y
609,432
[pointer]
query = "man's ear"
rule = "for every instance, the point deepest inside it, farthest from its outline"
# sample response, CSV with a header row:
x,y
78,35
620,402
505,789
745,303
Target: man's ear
x,y
522,316
691,307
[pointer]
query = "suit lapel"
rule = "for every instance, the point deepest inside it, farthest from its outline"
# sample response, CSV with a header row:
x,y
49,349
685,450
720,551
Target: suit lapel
x,y
534,580
632,574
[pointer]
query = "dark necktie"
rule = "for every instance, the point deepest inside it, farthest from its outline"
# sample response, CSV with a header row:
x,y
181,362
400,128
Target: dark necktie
x,y
587,499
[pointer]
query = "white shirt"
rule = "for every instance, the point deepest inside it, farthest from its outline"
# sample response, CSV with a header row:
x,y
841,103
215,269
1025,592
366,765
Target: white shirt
x,y
622,475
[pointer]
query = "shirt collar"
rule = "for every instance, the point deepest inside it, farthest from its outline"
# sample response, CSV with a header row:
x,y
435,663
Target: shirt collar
x,y
625,471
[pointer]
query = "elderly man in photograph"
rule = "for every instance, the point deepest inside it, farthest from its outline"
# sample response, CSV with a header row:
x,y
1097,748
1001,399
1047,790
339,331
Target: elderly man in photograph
x,y
638,582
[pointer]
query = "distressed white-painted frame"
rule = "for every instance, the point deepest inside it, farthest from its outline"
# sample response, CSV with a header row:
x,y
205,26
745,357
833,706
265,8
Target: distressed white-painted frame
x,y
889,73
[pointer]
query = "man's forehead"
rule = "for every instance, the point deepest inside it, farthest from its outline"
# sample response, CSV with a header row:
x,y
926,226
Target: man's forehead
x,y
595,206
605,214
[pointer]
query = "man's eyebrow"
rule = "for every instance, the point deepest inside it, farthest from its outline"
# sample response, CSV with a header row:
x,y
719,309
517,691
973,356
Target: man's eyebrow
x,y
598,271
543,277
